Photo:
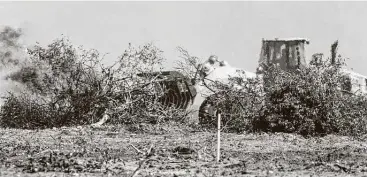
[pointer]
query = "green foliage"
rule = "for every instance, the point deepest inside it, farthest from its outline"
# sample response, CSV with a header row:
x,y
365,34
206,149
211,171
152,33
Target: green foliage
x,y
237,102
70,86
23,112
64,88
308,101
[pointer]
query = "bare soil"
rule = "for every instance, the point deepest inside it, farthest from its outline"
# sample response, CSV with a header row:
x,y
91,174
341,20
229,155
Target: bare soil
x,y
175,151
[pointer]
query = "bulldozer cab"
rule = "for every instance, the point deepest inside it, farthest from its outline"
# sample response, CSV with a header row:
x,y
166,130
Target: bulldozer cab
x,y
288,54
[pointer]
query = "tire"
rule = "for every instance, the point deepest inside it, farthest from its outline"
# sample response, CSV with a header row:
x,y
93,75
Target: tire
x,y
230,110
207,114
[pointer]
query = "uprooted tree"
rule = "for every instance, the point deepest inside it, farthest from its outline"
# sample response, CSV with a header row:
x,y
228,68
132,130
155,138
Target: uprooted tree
x,y
70,86
309,101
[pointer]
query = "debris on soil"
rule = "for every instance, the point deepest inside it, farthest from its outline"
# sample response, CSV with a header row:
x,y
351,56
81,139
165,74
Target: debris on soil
x,y
183,150
107,151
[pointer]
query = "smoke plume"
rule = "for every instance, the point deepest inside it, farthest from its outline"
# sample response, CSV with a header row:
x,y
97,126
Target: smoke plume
x,y
12,54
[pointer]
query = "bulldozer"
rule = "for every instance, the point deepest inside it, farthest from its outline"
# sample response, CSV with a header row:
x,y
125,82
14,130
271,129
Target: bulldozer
x,y
288,54
194,94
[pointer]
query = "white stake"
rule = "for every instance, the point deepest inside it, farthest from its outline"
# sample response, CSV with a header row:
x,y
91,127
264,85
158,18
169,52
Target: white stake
x,y
218,140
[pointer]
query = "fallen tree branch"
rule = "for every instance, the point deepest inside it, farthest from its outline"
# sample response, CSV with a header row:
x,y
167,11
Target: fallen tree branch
x,y
148,154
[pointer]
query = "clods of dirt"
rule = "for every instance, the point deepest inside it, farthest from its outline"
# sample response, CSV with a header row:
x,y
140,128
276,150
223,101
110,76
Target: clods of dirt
x,y
183,150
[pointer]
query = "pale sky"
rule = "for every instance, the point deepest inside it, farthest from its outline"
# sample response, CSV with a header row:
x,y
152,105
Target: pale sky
x,y
230,30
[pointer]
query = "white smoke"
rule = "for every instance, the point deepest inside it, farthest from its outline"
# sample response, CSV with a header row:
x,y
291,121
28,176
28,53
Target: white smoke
x,y
12,55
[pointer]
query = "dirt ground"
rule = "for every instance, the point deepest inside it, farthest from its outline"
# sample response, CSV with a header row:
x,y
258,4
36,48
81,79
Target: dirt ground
x,y
172,151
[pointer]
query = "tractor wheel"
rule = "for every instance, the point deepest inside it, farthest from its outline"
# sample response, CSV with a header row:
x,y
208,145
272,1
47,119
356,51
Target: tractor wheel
x,y
207,114
209,109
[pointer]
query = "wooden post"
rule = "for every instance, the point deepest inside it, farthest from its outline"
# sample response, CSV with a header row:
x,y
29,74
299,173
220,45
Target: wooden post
x,y
218,139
